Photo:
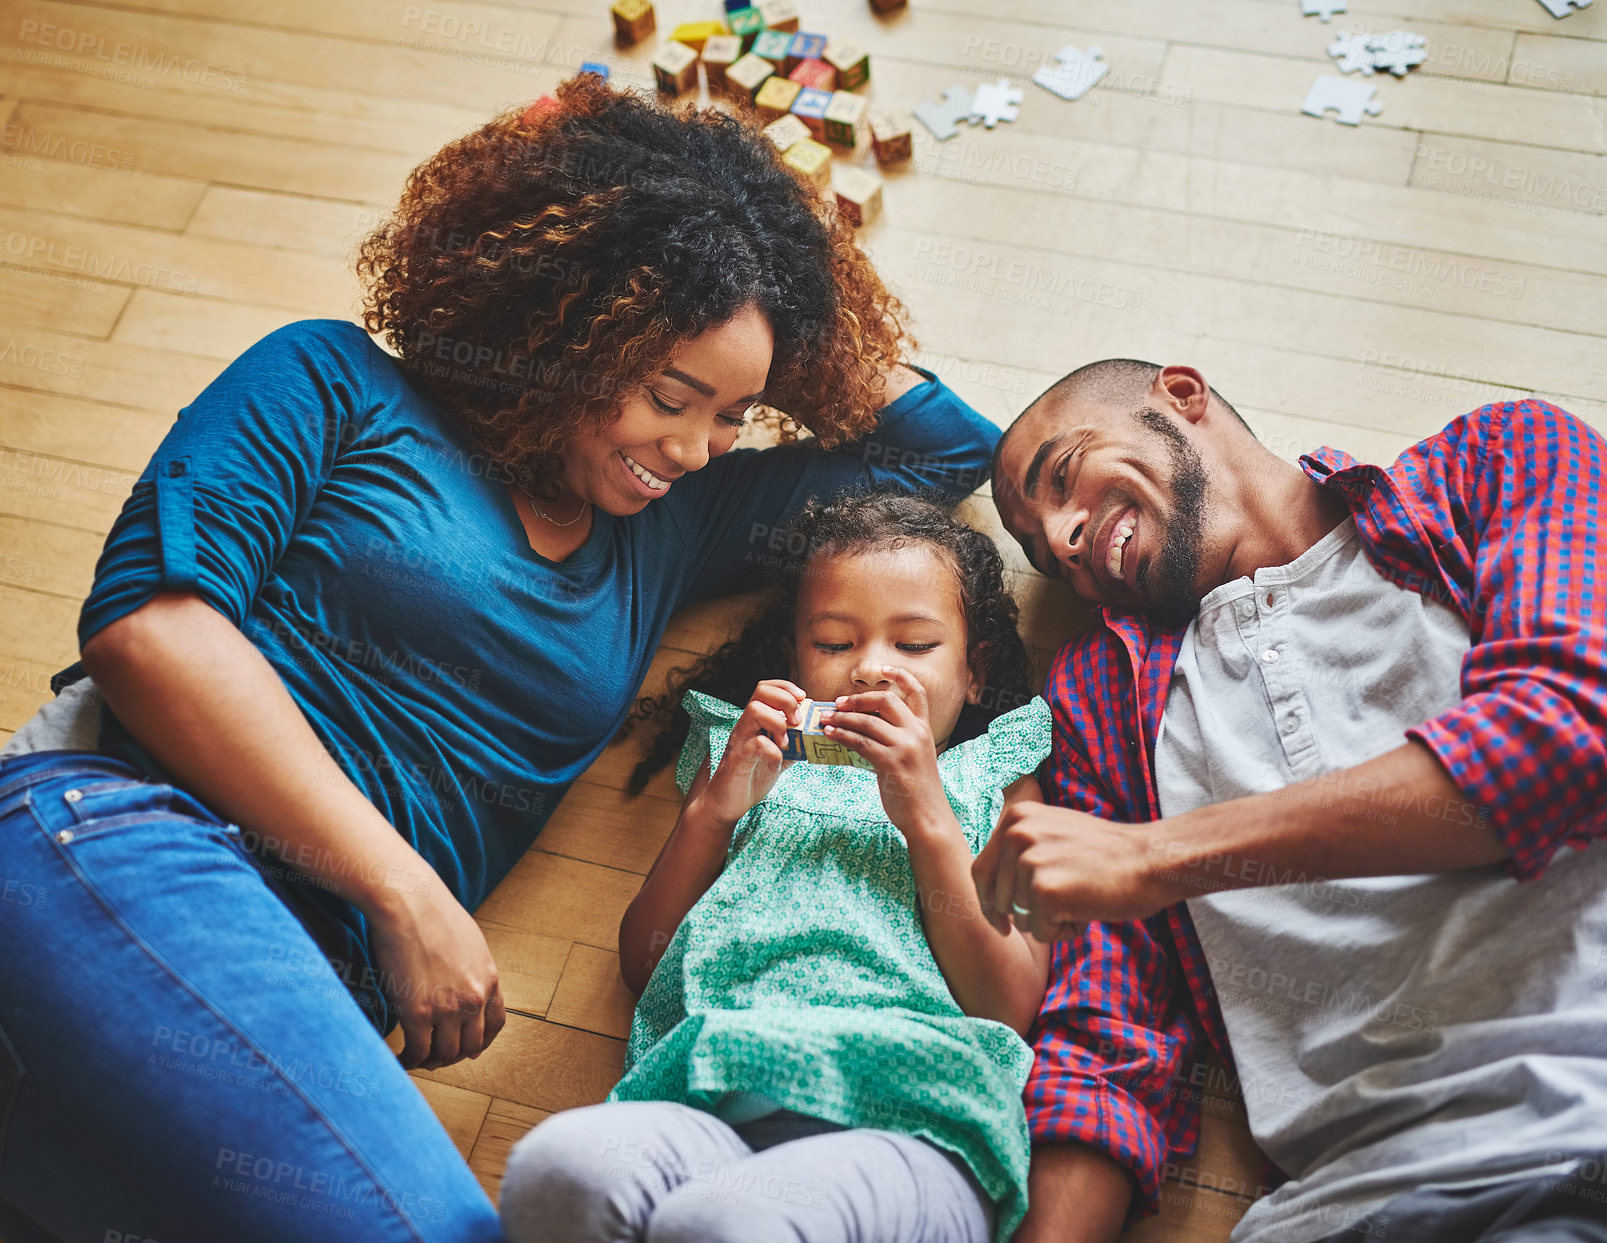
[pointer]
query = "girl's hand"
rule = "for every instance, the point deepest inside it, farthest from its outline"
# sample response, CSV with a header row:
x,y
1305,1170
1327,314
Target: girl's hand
x,y
890,729
752,759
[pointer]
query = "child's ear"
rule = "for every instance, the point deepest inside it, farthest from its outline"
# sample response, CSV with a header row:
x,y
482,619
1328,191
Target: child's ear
x,y
977,662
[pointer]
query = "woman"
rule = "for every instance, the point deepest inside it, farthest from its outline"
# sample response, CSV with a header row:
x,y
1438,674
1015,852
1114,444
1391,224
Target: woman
x,y
363,621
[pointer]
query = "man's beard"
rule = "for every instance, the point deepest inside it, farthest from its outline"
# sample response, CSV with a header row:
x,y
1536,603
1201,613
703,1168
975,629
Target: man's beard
x,y
1172,579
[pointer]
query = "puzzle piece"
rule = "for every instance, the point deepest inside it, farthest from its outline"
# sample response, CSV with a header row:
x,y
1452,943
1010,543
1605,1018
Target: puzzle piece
x,y
942,116
1074,72
1339,95
1397,51
995,102
1560,8
1323,8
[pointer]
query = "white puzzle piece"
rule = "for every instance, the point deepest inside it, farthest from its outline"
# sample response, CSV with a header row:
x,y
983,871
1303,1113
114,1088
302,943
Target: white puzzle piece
x,y
995,102
942,116
1561,8
1323,8
1340,95
1397,52
1074,72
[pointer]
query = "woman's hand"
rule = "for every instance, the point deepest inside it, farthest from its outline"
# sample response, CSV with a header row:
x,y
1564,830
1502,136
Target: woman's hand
x,y
890,729
436,969
752,759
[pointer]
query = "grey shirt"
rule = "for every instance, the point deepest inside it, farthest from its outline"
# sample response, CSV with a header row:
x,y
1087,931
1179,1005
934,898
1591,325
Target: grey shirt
x,y
1390,1033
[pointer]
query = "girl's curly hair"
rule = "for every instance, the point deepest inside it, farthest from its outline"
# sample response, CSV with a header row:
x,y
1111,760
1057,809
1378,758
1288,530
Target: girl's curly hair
x,y
860,523
539,269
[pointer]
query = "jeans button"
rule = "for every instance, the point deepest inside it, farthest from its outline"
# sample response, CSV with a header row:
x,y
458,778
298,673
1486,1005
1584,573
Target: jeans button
x,y
72,796
65,836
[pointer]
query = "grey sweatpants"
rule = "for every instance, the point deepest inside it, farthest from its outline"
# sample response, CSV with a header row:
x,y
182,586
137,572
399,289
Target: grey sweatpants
x,y
662,1172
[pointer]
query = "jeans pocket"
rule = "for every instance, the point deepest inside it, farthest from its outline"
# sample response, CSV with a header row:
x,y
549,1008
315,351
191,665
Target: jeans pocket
x,y
10,1086
71,811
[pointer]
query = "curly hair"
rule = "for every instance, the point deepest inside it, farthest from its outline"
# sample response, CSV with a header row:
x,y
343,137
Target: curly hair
x,y
865,522
543,267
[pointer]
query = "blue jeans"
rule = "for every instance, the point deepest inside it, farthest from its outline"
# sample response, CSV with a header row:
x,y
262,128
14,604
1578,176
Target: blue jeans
x,y
178,1061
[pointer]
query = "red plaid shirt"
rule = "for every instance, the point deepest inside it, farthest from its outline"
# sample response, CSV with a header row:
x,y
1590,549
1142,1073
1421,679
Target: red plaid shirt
x,y
1499,515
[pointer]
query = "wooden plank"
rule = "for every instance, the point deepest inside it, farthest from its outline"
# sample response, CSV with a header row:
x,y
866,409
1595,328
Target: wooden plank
x,y
42,488
58,300
291,222
506,1123
24,683
599,824
168,263
53,559
1189,1215
1547,185
211,327
84,431
461,1111
591,994
104,371
76,177
529,965
561,898
539,1064
1434,105
1560,63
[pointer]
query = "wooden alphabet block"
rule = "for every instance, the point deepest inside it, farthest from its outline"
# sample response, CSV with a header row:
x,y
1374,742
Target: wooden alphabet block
x,y
779,14
815,73
810,744
890,138
743,79
845,119
720,52
776,97
803,47
696,34
746,24
887,6
810,108
773,45
858,194
812,159
786,132
851,62
633,20
675,68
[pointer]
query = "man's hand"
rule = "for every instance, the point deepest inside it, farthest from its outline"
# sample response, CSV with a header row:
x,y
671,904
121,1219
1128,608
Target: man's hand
x,y
1066,867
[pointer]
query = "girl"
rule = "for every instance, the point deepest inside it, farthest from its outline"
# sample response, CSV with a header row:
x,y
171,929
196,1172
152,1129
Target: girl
x,y
805,1063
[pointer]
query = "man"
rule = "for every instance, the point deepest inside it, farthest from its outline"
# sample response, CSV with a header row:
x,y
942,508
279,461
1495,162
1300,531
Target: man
x,y
1327,773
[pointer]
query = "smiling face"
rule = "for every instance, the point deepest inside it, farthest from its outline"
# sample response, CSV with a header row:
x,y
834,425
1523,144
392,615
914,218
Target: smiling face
x,y
893,606
1113,502
674,423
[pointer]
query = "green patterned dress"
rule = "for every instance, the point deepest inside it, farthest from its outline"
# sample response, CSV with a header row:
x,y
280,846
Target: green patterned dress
x,y
803,979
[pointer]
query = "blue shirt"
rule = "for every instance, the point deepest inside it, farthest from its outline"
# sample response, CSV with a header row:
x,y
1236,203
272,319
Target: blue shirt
x,y
347,524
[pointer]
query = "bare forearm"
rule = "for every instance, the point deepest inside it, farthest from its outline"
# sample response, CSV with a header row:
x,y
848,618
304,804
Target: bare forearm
x,y
199,696
991,974
1076,1194
1398,814
689,863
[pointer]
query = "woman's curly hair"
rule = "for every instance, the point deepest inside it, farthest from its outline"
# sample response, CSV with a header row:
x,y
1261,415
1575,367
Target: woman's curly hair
x,y
539,269
865,522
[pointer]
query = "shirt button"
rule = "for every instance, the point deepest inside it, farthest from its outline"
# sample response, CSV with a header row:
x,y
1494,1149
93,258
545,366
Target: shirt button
x,y
72,796
1270,656
1246,612
1290,725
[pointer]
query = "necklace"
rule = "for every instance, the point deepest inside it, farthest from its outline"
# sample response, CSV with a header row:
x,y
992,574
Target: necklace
x,y
579,513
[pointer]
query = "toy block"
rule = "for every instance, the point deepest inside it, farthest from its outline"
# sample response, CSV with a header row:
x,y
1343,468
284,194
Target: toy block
x,y
696,34
772,45
786,132
851,62
743,79
815,73
633,20
746,24
887,6
858,195
720,52
845,119
731,6
810,108
812,159
594,66
808,742
778,14
776,97
675,68
890,138
803,47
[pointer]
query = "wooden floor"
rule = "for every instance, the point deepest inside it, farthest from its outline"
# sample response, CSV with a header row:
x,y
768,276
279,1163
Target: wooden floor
x,y
164,205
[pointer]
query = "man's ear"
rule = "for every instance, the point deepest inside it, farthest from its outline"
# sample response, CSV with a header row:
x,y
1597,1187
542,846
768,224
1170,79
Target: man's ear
x,y
1182,390
977,663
